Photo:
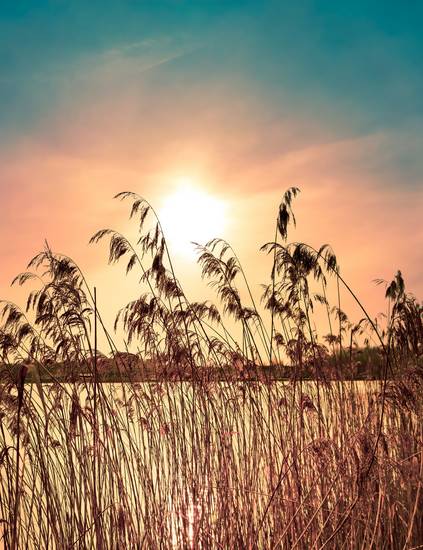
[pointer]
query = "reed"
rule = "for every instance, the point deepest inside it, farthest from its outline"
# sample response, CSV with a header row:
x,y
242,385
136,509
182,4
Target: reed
x,y
192,459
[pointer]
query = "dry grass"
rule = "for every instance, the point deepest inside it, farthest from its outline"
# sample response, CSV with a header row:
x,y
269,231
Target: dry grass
x,y
192,462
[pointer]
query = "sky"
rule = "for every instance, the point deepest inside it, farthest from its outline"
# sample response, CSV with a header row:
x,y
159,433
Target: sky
x,y
243,100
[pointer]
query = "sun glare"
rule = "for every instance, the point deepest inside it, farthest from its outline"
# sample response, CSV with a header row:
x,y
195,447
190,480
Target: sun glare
x,y
190,214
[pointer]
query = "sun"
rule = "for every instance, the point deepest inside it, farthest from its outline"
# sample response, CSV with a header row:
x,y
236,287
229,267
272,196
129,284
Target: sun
x,y
191,214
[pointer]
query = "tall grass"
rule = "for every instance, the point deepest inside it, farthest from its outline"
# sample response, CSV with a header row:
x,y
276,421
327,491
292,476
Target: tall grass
x,y
195,460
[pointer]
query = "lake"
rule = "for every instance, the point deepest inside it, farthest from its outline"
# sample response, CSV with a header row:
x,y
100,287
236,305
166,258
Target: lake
x,y
182,465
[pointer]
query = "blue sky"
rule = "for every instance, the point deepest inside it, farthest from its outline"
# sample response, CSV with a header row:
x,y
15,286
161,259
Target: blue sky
x,y
350,58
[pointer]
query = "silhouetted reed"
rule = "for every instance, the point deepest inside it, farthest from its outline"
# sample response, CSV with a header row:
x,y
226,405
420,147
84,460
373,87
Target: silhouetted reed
x,y
211,436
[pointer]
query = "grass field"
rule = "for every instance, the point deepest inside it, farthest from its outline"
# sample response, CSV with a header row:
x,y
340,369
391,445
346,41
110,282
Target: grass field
x,y
195,460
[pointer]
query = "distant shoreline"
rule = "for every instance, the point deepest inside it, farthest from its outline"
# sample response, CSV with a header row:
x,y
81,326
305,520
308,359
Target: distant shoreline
x,y
218,374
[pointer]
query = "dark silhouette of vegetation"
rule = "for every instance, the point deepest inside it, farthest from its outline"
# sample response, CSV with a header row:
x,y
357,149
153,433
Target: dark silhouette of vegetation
x,y
205,439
